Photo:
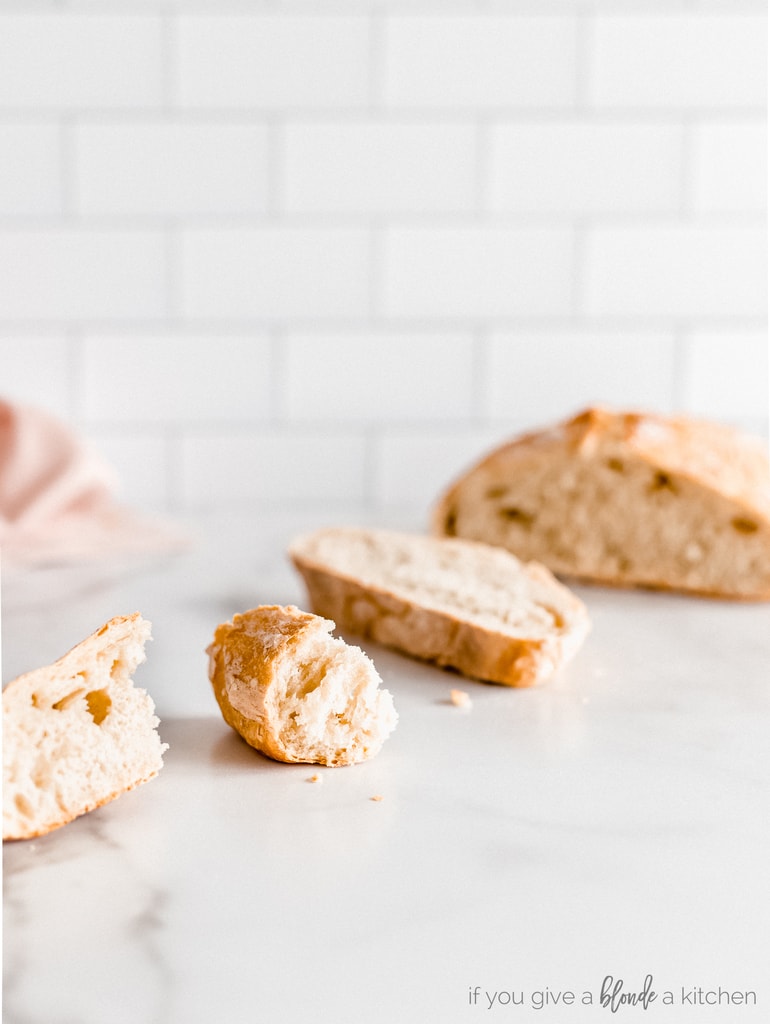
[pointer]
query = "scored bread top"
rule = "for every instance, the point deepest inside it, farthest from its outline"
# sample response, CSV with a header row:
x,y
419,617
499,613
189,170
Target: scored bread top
x,y
708,453
626,499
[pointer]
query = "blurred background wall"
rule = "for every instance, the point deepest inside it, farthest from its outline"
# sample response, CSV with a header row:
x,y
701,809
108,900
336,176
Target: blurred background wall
x,y
287,252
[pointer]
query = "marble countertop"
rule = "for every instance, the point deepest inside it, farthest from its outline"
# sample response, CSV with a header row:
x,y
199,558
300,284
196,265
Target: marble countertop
x,y
613,823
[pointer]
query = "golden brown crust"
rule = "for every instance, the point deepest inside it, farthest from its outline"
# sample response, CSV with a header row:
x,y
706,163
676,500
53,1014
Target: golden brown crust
x,y
251,646
709,455
436,636
66,819
249,660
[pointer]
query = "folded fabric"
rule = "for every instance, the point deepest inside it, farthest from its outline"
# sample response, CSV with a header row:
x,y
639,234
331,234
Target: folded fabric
x,y
57,498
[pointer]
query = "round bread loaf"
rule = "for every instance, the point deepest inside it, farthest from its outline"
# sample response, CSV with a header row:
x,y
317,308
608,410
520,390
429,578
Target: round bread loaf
x,y
628,500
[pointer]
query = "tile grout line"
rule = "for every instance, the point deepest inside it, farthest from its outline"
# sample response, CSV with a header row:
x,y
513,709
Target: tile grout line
x,y
377,57
276,169
585,22
482,184
579,271
173,470
68,166
537,323
278,411
173,271
370,468
686,172
479,374
169,59
679,367
325,221
375,253
75,373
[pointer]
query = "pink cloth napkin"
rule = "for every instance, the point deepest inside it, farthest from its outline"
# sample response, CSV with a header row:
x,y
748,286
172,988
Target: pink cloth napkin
x,y
56,498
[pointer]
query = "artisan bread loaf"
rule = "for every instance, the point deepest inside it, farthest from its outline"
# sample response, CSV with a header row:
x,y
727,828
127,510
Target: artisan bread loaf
x,y
626,499
457,603
77,733
294,692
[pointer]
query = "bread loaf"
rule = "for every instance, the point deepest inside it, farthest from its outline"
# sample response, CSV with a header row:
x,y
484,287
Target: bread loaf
x,y
457,603
295,693
626,499
77,733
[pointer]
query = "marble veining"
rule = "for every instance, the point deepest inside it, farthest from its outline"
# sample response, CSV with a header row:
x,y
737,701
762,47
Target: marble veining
x,y
611,822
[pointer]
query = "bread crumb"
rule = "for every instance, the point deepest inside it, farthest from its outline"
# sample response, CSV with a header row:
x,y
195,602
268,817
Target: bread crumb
x,y
314,778
460,699
376,798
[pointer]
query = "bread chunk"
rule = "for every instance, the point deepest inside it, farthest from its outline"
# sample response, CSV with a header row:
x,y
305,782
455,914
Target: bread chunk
x,y
294,692
77,733
457,603
626,499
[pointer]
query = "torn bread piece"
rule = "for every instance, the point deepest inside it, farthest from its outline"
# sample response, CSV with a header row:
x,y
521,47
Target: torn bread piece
x,y
77,734
294,692
626,499
457,603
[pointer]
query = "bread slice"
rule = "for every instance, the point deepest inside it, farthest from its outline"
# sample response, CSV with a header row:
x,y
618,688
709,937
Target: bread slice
x,y
295,693
456,603
626,499
77,733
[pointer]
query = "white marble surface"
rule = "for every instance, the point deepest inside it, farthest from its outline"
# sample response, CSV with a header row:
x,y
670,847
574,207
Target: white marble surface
x,y
614,822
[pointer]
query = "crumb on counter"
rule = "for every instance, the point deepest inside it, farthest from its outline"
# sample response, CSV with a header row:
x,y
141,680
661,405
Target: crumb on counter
x,y
314,778
460,699
377,797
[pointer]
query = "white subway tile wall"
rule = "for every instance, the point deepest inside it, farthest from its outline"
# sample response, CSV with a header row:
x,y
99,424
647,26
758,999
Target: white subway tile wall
x,y
52,62
380,168
30,169
478,61
274,272
271,61
269,252
170,169
360,388
584,167
730,168
76,272
477,272
678,60
676,270
642,378
150,379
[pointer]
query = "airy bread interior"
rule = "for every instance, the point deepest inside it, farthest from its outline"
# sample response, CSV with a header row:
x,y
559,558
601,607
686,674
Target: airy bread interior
x,y
328,702
78,733
479,583
457,603
296,693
